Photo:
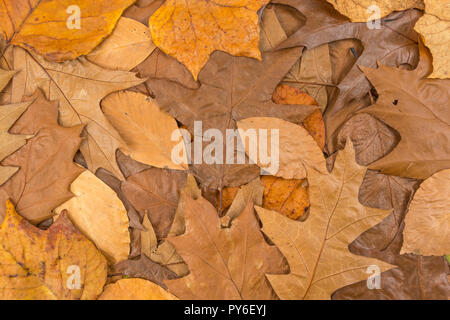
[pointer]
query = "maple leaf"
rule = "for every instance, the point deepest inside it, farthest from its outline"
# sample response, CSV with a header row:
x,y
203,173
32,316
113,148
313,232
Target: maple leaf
x,y
244,89
324,24
43,26
316,249
434,26
150,139
427,224
36,264
46,162
95,206
359,11
135,289
79,86
190,32
417,108
224,263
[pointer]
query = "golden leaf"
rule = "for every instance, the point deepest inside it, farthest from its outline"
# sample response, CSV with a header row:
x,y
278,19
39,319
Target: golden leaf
x,y
317,249
59,30
38,264
135,289
427,223
191,30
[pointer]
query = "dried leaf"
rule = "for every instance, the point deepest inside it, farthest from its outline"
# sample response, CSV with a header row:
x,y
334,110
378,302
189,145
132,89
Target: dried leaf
x,y
100,215
135,289
190,32
362,10
297,149
224,263
146,130
417,108
316,249
37,264
128,45
5,77
50,27
427,224
79,86
46,162
434,26
148,238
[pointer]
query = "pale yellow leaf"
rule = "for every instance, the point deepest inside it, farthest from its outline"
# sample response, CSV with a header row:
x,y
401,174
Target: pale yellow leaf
x,y
135,289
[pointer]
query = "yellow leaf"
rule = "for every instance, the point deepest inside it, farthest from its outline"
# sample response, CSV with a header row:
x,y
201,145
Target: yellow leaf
x,y
128,45
191,30
297,148
434,26
59,30
358,11
59,263
317,249
146,129
427,223
135,289
100,215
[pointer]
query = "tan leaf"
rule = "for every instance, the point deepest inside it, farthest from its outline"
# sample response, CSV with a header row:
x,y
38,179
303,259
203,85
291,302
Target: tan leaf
x,y
79,86
128,45
50,27
191,31
135,289
427,223
5,77
434,26
224,263
297,149
37,264
99,214
166,255
146,130
358,11
317,249
148,238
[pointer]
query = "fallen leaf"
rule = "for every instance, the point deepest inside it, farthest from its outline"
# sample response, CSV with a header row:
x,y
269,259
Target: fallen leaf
x,y
98,213
45,162
79,86
5,77
142,10
40,265
427,224
285,94
191,32
243,90
148,238
135,289
416,108
129,44
155,192
316,249
50,27
146,130
222,264
297,149
364,10
287,196
434,27
167,256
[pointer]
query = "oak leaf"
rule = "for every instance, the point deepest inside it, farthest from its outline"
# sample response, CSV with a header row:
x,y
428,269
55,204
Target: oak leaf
x,y
297,148
38,264
224,263
45,162
146,130
427,223
417,108
434,26
99,214
79,86
50,27
243,90
316,249
135,289
191,31
363,10
129,44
